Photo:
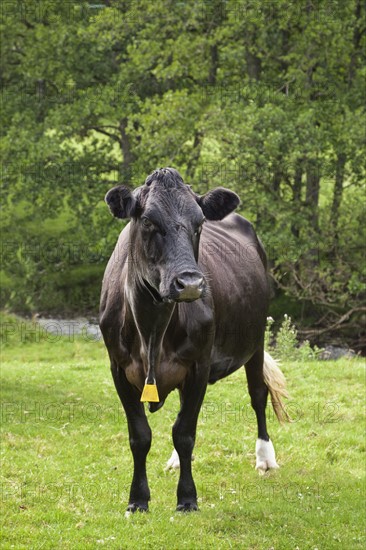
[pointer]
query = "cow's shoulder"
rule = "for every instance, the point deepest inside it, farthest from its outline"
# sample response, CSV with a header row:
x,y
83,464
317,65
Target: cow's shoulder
x,y
246,229
237,223
233,232
233,228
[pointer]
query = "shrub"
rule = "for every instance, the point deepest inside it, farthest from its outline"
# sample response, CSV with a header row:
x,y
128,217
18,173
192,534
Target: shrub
x,y
285,345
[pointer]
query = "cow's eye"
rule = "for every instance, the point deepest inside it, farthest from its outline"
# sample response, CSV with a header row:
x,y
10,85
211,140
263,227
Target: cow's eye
x,y
199,229
147,223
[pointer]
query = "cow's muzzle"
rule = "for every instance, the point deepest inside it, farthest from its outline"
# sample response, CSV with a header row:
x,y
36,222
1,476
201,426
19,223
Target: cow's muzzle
x,y
187,287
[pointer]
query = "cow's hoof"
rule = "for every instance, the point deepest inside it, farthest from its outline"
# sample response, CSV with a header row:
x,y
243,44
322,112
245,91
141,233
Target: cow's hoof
x,y
187,507
136,507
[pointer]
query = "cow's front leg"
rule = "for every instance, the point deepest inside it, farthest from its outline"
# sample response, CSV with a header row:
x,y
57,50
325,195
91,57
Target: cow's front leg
x,y
140,440
184,435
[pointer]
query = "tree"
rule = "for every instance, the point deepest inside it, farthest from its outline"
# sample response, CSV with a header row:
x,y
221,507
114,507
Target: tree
x,y
265,98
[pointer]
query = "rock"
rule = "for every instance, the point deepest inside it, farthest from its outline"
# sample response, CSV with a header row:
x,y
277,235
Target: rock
x,y
329,353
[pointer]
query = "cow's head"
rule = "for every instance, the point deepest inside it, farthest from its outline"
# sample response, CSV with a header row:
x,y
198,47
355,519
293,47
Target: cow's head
x,y
167,219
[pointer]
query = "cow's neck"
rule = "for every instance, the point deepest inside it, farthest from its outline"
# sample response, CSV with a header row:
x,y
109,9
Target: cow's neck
x,y
151,318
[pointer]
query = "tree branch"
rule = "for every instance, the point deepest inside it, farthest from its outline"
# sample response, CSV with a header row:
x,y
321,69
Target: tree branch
x,y
101,130
338,325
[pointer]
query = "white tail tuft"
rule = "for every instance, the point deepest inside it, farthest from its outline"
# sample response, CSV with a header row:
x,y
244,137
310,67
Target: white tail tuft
x,y
173,462
276,383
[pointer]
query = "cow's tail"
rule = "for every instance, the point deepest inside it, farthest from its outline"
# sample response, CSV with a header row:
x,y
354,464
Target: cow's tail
x,y
276,383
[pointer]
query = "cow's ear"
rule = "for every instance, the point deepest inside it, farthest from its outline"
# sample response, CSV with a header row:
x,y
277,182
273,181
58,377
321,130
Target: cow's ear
x,y
121,202
218,203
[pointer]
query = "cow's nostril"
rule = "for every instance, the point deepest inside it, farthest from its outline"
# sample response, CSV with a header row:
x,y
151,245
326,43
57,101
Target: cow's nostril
x,y
200,282
188,287
180,284
189,282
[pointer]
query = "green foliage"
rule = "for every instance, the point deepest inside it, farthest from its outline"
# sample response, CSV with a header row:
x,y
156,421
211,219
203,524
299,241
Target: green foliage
x,y
285,344
66,464
307,352
265,99
286,340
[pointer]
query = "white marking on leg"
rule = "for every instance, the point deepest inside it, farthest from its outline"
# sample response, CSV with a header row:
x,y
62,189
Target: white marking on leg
x,y
173,462
265,456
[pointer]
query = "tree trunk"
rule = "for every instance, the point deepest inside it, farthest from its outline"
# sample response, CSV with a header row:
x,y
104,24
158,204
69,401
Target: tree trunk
x,y
357,35
312,205
337,192
126,150
296,196
41,98
312,192
214,51
254,65
276,181
195,155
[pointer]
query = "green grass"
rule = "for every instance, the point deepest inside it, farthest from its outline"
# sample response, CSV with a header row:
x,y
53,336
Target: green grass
x,y
66,463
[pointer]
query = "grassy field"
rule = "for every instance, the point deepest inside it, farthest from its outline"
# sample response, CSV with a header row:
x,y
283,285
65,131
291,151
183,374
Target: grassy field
x,y
66,463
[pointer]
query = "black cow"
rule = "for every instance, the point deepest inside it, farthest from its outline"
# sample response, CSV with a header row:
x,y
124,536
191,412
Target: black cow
x,y
184,303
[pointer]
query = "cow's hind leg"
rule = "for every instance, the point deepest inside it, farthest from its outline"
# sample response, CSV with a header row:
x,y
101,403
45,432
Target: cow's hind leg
x,y
258,391
140,439
184,435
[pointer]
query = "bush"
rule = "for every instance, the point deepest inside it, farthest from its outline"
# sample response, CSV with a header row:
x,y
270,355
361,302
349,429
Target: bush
x,y
285,345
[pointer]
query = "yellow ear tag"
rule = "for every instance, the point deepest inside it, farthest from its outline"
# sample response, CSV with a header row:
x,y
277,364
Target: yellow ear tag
x,y
150,393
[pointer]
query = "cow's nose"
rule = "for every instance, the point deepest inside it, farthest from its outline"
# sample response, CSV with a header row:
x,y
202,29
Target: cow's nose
x,y
189,286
